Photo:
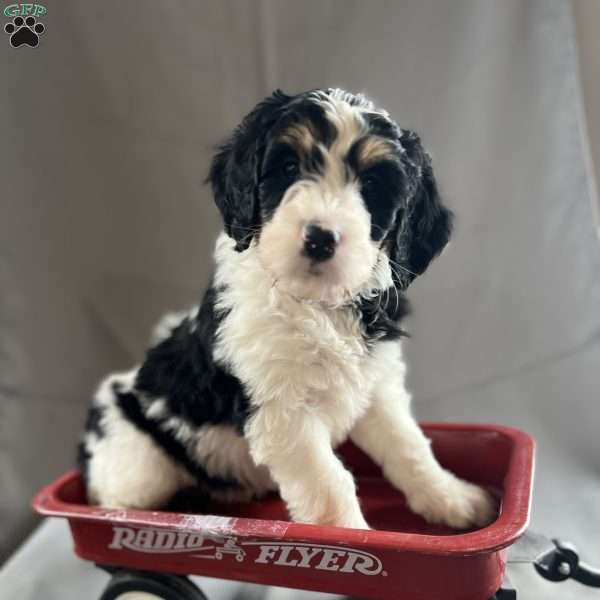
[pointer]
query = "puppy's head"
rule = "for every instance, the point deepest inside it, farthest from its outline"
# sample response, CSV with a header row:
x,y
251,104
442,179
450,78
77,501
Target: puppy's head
x,y
325,187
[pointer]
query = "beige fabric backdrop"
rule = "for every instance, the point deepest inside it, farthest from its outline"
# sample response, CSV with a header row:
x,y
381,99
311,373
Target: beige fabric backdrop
x,y
107,129
587,19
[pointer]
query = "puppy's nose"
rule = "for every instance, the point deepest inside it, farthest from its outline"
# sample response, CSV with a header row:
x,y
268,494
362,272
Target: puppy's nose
x,y
319,243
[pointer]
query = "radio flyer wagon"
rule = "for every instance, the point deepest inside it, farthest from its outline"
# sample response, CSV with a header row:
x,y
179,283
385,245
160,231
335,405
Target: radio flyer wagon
x,y
401,558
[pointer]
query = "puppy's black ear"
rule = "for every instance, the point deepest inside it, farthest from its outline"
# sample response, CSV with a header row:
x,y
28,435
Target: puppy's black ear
x,y
235,170
423,225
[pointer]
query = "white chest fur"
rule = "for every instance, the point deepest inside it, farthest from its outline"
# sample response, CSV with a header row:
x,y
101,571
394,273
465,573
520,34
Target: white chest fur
x,y
289,354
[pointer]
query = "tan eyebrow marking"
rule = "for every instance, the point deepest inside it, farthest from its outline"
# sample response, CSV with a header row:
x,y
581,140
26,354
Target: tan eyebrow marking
x,y
299,136
373,148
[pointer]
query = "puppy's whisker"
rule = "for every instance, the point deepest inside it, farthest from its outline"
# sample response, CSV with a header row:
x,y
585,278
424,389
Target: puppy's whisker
x,y
251,229
395,289
399,266
383,231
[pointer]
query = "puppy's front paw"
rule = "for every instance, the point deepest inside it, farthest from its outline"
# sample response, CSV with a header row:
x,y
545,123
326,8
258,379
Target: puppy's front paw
x,y
454,502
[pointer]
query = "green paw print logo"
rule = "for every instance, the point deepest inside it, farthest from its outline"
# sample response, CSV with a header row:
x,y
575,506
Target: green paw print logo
x,y
25,28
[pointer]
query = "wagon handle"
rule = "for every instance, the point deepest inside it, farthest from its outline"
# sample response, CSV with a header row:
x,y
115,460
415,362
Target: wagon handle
x,y
562,563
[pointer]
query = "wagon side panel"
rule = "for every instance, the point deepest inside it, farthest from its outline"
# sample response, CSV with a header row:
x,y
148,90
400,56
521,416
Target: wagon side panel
x,y
303,564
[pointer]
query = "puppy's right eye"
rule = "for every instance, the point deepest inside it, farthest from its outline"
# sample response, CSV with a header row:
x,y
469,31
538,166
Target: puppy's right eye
x,y
369,183
290,169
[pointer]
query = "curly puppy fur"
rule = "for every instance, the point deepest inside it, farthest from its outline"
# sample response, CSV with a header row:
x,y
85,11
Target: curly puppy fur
x,y
330,210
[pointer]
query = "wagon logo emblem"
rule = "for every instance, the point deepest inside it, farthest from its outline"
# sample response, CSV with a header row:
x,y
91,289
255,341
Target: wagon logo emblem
x,y
276,553
320,557
164,541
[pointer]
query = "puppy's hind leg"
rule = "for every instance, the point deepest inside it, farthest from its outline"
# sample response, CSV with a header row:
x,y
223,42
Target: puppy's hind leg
x,y
124,467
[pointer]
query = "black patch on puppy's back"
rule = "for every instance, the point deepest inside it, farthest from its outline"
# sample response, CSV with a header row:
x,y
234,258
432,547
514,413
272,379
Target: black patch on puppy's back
x,y
130,406
181,370
94,420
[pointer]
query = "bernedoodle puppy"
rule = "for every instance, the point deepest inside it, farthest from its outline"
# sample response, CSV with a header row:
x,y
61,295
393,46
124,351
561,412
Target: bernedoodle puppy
x,y
330,210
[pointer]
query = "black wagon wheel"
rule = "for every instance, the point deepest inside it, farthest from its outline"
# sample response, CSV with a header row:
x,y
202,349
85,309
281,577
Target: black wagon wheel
x,y
142,585
506,592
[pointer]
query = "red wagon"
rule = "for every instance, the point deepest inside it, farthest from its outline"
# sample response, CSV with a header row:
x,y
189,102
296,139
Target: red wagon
x,y
402,557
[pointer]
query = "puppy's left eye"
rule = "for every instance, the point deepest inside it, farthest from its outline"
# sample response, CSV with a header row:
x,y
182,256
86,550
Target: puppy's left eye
x,y
290,169
369,183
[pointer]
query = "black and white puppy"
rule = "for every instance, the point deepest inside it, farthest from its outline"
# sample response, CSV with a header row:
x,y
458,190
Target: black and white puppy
x,y
330,210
